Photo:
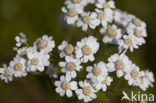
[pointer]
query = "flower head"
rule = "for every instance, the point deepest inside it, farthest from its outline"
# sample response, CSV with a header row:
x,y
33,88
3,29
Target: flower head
x,y
87,93
86,49
65,86
45,44
70,66
6,73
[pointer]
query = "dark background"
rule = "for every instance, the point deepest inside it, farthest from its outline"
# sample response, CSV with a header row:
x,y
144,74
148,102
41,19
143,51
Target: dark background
x,y
38,17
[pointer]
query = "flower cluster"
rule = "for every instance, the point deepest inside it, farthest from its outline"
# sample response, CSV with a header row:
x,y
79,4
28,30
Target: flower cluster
x,y
28,59
118,28
75,13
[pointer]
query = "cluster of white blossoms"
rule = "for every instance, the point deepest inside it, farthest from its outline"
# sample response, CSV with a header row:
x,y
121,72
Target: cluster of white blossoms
x,y
28,59
118,28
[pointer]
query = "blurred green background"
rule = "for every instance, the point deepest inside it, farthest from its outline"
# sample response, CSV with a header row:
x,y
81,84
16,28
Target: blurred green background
x,y
38,17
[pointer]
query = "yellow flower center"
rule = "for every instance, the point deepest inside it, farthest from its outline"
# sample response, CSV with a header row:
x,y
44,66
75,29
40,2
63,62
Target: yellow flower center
x,y
69,50
147,77
111,32
76,1
70,66
18,67
86,50
136,21
119,65
43,44
128,42
7,73
87,91
34,61
138,33
96,71
106,5
141,80
24,54
65,85
72,13
101,15
104,81
135,74
87,19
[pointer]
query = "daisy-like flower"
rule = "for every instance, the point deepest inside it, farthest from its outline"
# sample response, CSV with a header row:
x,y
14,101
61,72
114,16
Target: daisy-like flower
x,y
70,66
88,19
133,75
104,16
104,4
143,82
138,32
71,14
52,71
112,34
106,81
87,93
37,61
138,23
86,49
122,18
66,49
19,66
45,43
21,39
97,72
79,4
6,73
129,42
150,77
65,86
23,52
119,63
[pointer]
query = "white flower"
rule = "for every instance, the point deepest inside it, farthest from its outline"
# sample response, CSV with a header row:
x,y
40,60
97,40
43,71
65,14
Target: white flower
x,y
106,81
66,49
150,77
37,61
45,44
104,16
97,72
65,86
138,32
129,42
133,75
71,14
6,73
23,52
86,49
87,93
122,18
52,71
88,19
19,66
20,39
119,63
143,82
105,5
138,23
70,66
112,34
